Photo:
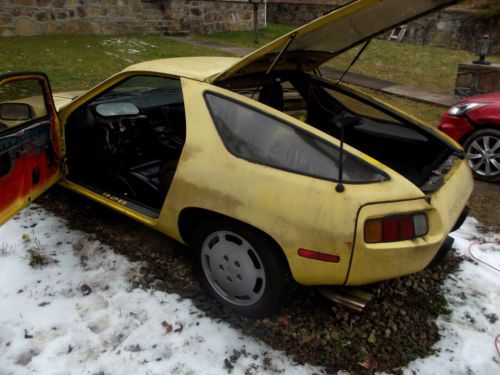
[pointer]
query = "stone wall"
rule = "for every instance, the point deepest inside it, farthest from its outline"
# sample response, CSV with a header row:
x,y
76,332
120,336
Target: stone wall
x,y
452,28
208,17
169,17
299,12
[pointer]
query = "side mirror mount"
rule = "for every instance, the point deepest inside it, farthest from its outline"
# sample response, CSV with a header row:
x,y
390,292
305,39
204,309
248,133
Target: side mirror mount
x,y
15,112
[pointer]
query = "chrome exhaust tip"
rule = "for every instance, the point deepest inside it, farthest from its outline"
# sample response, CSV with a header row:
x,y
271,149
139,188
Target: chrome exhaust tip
x,y
354,299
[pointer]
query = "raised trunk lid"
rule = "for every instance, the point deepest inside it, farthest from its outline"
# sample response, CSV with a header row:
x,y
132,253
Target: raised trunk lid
x,y
326,37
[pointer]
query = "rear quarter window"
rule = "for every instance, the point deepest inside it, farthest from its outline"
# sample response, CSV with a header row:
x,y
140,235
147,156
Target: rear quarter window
x,y
260,138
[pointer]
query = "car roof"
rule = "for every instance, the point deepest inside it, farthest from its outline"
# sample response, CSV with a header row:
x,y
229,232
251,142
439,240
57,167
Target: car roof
x,y
198,68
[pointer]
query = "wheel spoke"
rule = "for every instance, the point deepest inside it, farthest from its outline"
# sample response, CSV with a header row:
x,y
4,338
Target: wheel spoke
x,y
496,145
488,167
496,165
486,143
478,165
475,145
474,156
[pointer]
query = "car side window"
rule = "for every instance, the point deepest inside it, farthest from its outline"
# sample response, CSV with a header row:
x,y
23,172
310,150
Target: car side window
x,y
260,138
21,102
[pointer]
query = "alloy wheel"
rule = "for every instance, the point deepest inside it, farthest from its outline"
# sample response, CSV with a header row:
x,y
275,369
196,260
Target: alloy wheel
x,y
233,268
484,155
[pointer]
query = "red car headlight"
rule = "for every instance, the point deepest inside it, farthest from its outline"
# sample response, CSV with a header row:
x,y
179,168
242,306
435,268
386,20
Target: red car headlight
x,y
459,110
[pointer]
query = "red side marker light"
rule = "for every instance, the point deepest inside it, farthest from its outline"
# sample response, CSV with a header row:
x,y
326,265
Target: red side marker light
x,y
318,256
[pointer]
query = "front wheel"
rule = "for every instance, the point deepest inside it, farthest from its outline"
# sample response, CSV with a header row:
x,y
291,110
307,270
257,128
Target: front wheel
x,y
483,152
240,267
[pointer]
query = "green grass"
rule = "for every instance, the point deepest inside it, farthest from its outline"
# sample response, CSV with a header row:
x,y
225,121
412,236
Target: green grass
x,y
431,68
428,67
80,62
246,38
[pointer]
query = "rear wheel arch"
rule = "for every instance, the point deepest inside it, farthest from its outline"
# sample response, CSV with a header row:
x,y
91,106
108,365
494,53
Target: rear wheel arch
x,y
191,218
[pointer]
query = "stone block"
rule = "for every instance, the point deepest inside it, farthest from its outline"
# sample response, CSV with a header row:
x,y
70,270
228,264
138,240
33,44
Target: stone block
x,y
58,3
195,12
61,14
7,33
5,19
464,79
25,3
81,11
53,29
16,12
43,17
27,11
73,27
489,82
26,26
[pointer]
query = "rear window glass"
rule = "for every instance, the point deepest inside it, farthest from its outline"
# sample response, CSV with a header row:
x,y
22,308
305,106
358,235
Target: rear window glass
x,y
21,101
252,135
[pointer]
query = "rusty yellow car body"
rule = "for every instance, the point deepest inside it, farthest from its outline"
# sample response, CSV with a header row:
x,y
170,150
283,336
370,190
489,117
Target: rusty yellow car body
x,y
292,210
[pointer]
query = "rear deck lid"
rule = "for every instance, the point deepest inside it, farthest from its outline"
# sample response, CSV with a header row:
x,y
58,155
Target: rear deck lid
x,y
326,37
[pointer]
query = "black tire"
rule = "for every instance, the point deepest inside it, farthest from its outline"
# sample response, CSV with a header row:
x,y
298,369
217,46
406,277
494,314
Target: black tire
x,y
471,144
263,302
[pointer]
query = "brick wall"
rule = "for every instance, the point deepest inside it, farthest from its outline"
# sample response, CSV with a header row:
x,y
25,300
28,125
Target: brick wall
x,y
169,17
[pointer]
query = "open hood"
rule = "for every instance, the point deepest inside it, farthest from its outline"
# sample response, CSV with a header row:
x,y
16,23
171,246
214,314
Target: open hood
x,y
326,37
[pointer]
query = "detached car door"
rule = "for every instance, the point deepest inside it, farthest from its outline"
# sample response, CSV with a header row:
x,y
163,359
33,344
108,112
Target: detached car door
x,y
30,140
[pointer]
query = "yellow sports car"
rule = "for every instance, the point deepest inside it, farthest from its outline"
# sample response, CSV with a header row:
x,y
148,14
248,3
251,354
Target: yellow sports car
x,y
336,189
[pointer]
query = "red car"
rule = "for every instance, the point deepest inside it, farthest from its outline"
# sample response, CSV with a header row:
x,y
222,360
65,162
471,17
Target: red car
x,y
475,123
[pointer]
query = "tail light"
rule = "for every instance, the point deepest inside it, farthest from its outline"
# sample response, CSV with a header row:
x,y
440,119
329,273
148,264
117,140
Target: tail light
x,y
396,228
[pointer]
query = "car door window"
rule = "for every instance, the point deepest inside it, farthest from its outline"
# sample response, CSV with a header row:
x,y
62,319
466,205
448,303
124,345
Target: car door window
x,y
260,138
21,102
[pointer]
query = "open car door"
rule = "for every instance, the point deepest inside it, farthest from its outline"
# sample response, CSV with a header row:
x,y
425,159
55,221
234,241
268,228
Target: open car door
x,y
30,140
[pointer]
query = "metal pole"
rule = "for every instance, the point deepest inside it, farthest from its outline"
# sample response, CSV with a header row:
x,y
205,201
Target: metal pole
x,y
255,21
255,18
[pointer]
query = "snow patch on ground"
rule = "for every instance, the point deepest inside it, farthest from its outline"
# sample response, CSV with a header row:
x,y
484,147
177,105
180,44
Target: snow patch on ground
x,y
79,313
131,46
467,344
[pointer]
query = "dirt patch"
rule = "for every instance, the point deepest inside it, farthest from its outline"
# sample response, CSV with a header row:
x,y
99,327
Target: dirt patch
x,y
397,327
485,204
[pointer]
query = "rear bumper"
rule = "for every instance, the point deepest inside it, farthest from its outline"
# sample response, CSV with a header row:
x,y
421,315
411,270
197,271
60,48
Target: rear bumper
x,y
445,210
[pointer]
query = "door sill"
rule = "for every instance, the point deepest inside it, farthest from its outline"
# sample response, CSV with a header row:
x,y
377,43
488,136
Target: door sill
x,y
127,203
